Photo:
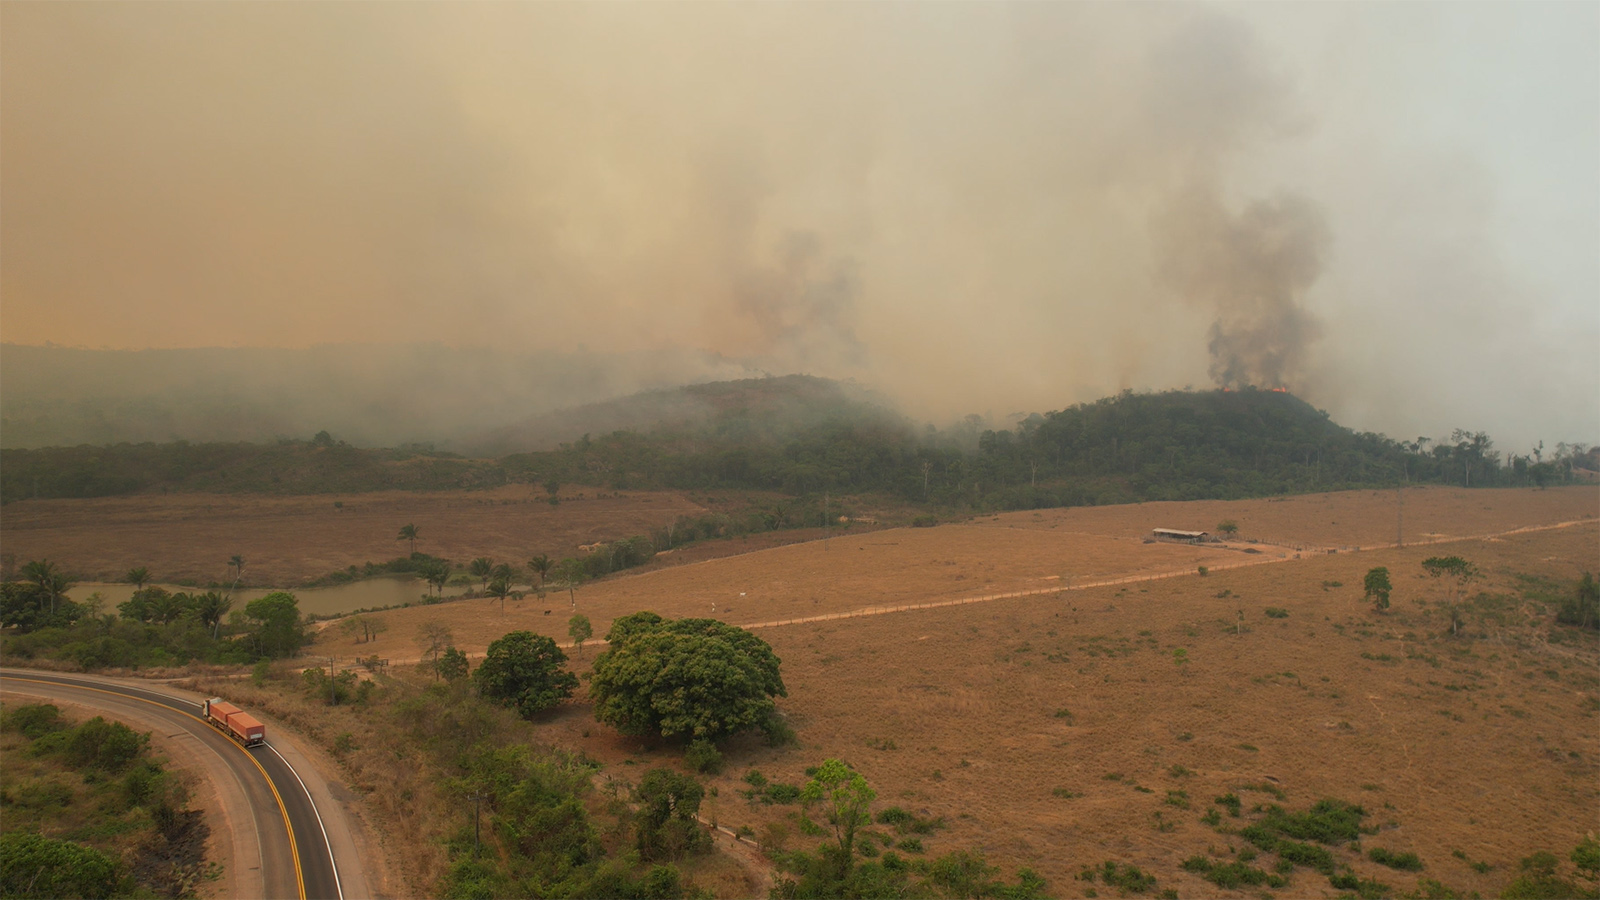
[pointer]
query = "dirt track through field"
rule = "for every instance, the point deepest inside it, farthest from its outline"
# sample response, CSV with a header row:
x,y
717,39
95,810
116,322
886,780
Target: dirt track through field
x,y
1131,579
1263,559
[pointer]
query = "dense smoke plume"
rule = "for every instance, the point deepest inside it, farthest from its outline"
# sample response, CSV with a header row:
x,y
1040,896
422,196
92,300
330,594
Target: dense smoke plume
x,y
1252,271
970,207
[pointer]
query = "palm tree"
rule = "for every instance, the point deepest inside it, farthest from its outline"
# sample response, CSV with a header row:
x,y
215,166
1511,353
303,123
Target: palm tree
x,y
500,589
165,607
209,608
480,568
409,532
541,564
437,574
138,578
52,584
237,562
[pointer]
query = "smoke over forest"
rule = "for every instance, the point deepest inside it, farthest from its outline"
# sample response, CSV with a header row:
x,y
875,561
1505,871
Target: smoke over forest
x,y
455,216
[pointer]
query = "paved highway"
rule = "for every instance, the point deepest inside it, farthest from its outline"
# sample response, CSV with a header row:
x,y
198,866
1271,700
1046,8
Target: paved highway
x,y
288,857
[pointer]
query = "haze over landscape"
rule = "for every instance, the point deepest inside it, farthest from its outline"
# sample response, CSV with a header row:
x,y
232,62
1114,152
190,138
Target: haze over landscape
x,y
484,212
809,450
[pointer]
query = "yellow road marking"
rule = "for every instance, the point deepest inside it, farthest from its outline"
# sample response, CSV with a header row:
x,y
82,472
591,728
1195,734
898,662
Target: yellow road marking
x,y
294,849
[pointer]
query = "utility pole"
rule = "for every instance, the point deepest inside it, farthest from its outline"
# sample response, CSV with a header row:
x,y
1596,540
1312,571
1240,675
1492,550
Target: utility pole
x,y
1400,515
333,686
827,532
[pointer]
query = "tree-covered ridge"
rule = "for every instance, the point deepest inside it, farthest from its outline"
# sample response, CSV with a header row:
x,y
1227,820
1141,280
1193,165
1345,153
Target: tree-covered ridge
x,y
797,437
1175,445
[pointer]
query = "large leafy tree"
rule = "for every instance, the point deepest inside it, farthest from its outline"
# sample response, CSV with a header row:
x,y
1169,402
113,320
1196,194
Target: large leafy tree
x,y
684,679
525,671
275,624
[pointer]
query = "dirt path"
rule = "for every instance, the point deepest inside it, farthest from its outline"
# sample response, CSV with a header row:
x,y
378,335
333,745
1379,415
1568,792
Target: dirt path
x,y
1077,585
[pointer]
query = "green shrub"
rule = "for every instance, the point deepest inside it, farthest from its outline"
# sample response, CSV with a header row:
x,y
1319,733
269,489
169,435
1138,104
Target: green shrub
x,y
781,793
1328,822
1366,889
894,815
1230,801
35,866
703,756
108,746
33,721
1129,878
1308,855
1406,862
1277,612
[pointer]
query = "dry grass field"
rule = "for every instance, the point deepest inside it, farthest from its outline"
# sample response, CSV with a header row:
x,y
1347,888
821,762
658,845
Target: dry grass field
x,y
1008,718
288,540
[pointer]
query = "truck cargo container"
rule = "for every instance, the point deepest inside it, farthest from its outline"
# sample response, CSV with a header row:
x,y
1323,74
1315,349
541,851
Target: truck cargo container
x,y
234,722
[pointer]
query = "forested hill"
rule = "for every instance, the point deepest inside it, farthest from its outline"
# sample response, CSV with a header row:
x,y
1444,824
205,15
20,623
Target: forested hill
x,y
804,436
751,410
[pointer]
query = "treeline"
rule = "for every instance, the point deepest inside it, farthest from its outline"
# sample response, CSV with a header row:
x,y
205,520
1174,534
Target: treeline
x,y
318,466
152,628
1177,445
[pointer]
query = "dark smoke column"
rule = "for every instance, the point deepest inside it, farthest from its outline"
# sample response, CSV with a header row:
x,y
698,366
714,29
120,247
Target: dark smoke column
x,y
1251,270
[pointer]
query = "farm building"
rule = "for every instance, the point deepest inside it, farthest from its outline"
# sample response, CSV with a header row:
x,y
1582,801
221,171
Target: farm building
x,y
1181,537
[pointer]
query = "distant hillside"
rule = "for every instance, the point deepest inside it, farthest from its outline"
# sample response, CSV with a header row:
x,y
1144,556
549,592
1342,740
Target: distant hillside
x,y
751,409
802,436
371,395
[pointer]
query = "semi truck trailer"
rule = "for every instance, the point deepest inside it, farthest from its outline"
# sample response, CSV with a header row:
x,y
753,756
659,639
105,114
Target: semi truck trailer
x,y
234,722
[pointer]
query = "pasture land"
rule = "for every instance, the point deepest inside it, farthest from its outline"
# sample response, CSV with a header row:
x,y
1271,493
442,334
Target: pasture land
x,y
288,540
1009,718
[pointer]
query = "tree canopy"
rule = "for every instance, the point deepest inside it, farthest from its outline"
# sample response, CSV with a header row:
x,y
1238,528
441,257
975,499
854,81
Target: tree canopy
x,y
276,627
525,671
685,678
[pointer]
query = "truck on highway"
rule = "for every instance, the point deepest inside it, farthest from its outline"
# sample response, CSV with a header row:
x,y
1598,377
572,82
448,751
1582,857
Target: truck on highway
x,y
234,722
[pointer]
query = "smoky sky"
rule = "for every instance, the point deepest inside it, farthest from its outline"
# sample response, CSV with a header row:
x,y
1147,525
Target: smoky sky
x,y
1391,210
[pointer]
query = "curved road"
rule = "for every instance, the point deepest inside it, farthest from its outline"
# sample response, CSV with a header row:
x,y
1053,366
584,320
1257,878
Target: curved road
x,y
278,831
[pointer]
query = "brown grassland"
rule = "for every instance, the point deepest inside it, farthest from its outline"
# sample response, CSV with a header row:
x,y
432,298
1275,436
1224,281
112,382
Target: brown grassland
x,y
1006,717
288,540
